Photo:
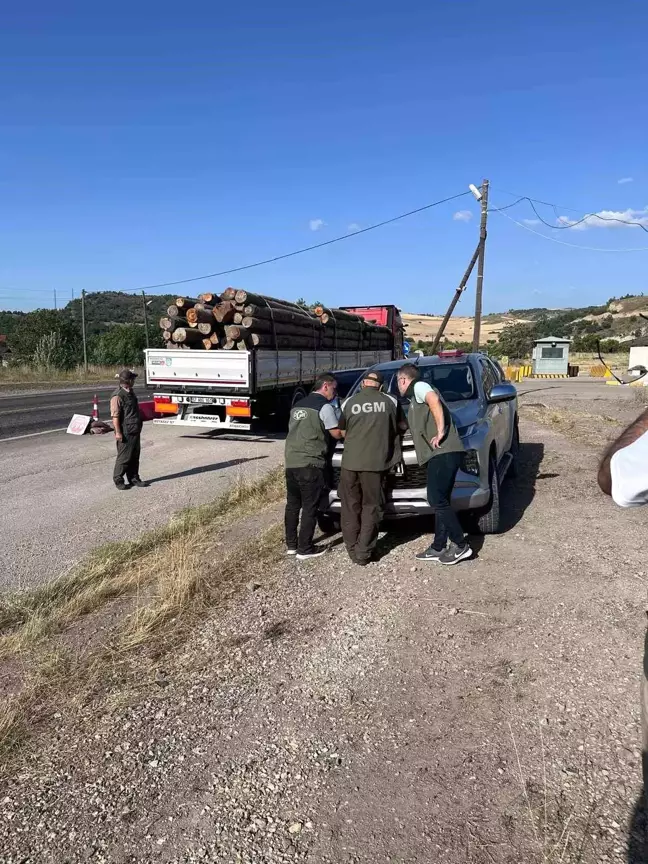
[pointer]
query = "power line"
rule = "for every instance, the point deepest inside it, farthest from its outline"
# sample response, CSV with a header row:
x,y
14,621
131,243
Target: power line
x,y
564,227
300,251
563,242
537,200
287,254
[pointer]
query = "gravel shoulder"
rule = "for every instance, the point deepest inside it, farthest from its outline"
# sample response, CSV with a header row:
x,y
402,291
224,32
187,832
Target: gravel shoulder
x,y
394,713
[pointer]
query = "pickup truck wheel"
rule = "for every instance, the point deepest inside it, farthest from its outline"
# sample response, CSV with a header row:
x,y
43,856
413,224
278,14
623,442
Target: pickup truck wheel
x,y
328,524
489,519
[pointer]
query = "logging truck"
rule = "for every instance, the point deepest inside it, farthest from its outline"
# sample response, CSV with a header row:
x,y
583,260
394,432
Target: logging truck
x,y
228,390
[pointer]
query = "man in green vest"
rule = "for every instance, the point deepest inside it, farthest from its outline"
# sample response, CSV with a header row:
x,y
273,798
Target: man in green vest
x,y
438,445
125,414
313,422
370,420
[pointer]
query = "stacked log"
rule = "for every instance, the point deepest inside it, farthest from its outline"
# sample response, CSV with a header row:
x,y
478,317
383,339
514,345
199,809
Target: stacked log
x,y
237,320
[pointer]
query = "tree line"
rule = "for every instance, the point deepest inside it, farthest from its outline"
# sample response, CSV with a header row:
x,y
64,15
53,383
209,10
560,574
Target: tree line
x,y
115,331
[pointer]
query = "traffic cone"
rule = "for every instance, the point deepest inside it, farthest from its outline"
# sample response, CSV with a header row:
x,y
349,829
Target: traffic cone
x,y
95,408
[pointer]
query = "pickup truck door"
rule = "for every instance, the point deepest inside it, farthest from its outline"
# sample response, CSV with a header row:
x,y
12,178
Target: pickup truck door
x,y
499,415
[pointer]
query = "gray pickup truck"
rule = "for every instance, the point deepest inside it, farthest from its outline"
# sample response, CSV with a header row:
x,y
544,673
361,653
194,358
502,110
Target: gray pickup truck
x,y
484,407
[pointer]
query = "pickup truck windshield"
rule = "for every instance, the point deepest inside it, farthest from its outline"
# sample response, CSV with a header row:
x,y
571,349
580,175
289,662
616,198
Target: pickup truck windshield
x,y
454,381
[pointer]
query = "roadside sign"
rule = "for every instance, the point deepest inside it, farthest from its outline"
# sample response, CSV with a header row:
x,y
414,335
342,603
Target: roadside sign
x,y
78,424
406,348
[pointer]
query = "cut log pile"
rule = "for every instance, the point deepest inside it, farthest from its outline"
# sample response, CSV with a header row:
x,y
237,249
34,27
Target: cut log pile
x,y
239,320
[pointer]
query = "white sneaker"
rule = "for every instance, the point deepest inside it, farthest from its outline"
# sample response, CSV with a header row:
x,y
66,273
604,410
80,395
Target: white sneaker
x,y
316,553
291,551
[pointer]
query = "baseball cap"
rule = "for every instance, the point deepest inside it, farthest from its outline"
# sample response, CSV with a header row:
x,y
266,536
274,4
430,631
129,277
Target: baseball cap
x,y
127,375
374,375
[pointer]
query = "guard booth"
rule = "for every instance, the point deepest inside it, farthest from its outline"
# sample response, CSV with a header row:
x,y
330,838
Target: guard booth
x,y
551,357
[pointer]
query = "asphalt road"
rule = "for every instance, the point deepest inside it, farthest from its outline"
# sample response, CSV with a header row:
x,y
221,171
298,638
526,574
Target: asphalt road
x,y
58,501
31,413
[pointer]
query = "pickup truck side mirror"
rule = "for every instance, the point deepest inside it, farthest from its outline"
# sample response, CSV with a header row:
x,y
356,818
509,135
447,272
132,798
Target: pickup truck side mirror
x,y
504,392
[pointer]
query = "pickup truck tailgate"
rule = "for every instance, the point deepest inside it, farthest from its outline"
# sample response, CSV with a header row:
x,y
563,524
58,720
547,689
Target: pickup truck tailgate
x,y
214,369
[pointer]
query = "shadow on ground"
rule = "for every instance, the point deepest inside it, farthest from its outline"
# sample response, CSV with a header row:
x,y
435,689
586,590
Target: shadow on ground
x,y
638,833
204,469
638,839
517,493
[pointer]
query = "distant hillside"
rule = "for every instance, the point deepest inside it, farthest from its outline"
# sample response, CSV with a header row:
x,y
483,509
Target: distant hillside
x,y
617,320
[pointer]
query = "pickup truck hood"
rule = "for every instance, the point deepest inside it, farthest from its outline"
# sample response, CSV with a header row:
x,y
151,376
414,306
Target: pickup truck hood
x,y
465,412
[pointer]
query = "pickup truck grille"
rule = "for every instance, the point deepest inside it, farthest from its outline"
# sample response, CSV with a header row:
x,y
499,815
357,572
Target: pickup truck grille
x,y
413,477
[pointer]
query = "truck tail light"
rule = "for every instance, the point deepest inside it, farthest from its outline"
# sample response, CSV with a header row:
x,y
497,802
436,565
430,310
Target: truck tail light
x,y
163,405
239,408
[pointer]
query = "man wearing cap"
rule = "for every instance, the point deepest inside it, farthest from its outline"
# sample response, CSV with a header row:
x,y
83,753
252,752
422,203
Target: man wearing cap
x,y
370,420
125,414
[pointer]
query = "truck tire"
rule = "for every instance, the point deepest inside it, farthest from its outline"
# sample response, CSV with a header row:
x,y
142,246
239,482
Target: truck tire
x,y
298,394
328,524
489,519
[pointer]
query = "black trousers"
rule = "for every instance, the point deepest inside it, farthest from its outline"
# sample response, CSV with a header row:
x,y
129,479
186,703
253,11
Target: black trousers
x,y
441,472
362,495
128,458
304,493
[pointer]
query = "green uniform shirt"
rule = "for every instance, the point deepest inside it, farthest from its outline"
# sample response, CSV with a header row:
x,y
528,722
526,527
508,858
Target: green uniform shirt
x,y
307,442
372,442
124,405
423,428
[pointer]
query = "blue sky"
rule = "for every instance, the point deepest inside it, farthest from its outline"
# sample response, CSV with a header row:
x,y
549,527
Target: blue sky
x,y
144,142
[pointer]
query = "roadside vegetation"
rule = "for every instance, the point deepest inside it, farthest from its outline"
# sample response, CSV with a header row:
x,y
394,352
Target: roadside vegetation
x,y
108,621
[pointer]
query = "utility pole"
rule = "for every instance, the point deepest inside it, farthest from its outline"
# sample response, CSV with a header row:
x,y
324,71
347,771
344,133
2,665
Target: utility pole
x,y
55,306
455,300
480,265
146,326
83,327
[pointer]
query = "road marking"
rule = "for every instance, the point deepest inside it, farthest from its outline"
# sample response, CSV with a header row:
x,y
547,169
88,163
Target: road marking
x,y
33,434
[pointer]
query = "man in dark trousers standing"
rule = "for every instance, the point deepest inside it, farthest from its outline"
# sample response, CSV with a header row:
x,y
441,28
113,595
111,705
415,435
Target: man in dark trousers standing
x,y
370,420
438,446
313,422
125,414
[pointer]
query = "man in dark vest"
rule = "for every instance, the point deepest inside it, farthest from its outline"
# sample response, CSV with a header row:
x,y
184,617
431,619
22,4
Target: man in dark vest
x,y
125,414
313,422
370,420
438,445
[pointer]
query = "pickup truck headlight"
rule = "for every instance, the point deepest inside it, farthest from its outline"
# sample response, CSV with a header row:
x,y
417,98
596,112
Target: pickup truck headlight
x,y
470,462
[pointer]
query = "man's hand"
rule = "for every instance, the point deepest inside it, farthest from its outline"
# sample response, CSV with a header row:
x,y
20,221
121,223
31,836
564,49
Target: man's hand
x,y
436,441
118,436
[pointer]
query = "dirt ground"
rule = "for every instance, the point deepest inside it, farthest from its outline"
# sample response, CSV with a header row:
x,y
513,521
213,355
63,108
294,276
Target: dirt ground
x,y
395,714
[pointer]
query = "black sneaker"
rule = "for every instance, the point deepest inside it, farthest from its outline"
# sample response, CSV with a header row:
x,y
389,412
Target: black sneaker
x,y
430,554
454,554
315,553
122,487
141,483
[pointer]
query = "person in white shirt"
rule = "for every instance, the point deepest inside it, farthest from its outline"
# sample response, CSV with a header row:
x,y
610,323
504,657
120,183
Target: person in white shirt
x,y
623,474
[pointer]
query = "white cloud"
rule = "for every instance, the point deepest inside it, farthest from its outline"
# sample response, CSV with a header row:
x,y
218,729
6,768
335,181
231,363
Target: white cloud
x,y
536,291
531,221
316,224
353,228
607,219
462,216
625,180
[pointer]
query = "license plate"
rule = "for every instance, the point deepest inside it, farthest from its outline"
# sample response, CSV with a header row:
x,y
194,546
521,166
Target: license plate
x,y
399,469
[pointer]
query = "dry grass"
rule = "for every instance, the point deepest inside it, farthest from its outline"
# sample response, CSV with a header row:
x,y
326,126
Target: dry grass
x,y
167,580
35,375
592,429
